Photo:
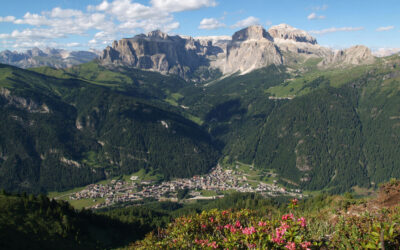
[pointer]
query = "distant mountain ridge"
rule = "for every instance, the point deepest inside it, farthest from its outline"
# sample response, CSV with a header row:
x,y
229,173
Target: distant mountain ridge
x,y
56,58
248,49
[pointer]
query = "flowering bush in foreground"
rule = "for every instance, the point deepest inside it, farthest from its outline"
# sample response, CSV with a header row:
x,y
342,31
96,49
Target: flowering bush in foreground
x,y
233,230
244,229
379,231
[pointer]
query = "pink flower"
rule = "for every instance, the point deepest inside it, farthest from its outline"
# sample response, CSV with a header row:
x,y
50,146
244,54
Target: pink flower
x,y
213,245
284,226
248,230
279,232
278,240
212,219
203,226
262,224
287,216
294,201
224,212
237,224
251,246
228,226
302,221
291,246
201,242
305,245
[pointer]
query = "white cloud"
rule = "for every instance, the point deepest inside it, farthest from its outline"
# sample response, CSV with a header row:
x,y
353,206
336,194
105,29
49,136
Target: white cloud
x,y
125,10
7,19
386,28
64,13
28,34
333,29
381,52
33,19
73,45
246,22
135,16
182,5
314,16
109,20
210,24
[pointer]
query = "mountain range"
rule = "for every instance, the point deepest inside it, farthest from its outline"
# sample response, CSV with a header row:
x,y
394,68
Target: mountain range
x,y
175,106
248,49
56,58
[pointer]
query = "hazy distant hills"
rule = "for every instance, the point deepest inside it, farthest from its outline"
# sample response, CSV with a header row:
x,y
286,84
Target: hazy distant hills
x,y
56,58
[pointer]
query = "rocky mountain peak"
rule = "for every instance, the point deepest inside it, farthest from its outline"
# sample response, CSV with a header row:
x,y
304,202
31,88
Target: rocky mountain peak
x,y
36,52
355,55
255,32
251,48
157,34
287,32
35,57
358,54
248,49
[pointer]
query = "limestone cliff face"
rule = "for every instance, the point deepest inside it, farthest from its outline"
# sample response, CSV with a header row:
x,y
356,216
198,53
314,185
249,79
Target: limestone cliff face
x,y
251,48
248,49
356,55
159,52
296,43
287,32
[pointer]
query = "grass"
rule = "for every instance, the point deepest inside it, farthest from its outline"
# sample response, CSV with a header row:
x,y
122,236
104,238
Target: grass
x,y
208,193
84,203
171,102
194,119
337,77
64,195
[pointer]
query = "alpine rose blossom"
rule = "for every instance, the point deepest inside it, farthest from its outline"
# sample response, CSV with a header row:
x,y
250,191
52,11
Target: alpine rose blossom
x,y
262,224
287,216
305,245
237,224
302,221
248,230
291,246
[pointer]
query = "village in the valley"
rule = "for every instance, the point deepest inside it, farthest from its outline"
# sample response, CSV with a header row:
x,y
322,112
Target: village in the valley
x,y
218,181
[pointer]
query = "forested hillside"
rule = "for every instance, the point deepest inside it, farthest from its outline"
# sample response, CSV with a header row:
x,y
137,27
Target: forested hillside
x,y
341,131
35,222
317,129
61,133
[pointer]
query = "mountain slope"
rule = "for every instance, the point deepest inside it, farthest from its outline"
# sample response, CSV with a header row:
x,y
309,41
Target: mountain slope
x,y
60,133
341,130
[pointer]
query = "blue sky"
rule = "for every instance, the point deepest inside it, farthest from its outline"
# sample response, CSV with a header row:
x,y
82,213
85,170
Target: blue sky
x,y
84,24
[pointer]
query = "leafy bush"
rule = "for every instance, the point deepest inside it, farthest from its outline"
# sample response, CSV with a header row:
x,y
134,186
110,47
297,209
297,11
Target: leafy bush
x,y
246,229
227,229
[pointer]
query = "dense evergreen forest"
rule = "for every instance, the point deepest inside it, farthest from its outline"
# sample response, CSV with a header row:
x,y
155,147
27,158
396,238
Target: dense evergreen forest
x,y
61,133
49,224
332,129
